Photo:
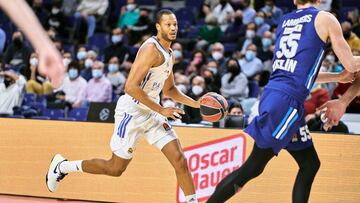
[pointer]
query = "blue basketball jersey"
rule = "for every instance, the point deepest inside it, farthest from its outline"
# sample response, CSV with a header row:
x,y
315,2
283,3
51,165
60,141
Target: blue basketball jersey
x,y
298,54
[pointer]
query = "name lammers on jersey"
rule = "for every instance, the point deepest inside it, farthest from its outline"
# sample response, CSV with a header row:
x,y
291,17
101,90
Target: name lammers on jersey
x,y
288,43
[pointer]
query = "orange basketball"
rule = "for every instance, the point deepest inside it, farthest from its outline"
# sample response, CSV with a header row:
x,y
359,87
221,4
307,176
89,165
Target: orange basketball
x,y
213,107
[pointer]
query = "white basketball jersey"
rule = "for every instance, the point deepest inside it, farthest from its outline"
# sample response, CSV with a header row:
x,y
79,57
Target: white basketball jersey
x,y
154,80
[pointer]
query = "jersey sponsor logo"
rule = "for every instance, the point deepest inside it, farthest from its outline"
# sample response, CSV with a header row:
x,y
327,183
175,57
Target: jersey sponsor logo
x,y
210,162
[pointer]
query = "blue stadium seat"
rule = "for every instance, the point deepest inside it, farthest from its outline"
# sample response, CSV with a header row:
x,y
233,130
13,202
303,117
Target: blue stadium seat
x,y
29,98
229,48
254,89
41,117
146,2
16,116
53,113
80,114
38,105
66,118
185,15
99,41
194,3
344,12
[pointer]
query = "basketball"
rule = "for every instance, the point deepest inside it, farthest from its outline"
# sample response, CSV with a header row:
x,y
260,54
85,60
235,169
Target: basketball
x,y
213,107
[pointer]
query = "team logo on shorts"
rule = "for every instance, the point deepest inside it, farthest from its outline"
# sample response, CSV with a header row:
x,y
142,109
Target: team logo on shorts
x,y
130,150
166,126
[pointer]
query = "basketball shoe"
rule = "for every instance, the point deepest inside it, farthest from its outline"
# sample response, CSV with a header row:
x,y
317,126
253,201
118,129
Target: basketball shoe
x,y
54,175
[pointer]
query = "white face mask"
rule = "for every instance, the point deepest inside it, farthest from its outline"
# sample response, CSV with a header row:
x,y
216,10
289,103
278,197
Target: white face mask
x,y
182,88
169,103
250,34
34,62
323,69
330,58
55,11
66,62
130,7
88,63
214,70
197,90
217,55
177,54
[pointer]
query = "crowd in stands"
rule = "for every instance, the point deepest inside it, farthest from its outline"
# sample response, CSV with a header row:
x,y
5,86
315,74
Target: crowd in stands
x,y
223,46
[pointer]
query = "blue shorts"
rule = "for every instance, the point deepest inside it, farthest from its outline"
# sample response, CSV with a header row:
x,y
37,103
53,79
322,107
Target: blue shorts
x,y
280,123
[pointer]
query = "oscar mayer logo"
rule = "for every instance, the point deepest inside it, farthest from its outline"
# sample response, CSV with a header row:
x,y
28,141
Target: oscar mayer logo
x,y
210,162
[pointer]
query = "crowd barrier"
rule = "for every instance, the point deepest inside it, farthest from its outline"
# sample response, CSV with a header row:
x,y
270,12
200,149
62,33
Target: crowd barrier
x,y
27,146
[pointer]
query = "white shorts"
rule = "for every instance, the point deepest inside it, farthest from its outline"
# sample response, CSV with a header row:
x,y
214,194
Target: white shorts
x,y
131,123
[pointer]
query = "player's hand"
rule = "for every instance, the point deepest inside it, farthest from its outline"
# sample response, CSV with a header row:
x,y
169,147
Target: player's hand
x,y
334,110
346,77
51,65
172,112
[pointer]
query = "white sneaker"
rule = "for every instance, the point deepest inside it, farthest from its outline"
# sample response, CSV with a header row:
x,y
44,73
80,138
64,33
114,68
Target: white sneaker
x,y
54,175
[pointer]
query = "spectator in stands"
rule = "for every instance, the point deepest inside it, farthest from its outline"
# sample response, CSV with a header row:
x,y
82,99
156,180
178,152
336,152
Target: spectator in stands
x,y
217,51
11,90
67,58
250,38
210,32
89,11
350,37
209,5
210,84
17,53
328,66
250,63
116,78
91,57
36,83
332,6
214,68
81,56
272,12
198,61
130,14
261,25
353,17
2,40
198,89
248,12
224,13
234,84
265,52
179,62
98,88
57,19
40,11
74,86
235,30
318,96
117,47
144,26
181,82
236,109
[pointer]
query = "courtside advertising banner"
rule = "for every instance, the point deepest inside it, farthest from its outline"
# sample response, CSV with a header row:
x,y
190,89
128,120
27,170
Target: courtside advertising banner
x,y
210,162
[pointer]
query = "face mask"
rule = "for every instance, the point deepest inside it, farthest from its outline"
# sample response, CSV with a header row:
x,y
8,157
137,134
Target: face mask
x,y
214,70
130,7
88,63
17,42
55,11
1,79
81,55
73,73
66,62
113,68
116,38
267,8
197,90
323,69
238,20
347,35
169,103
266,42
250,55
97,73
259,21
250,34
177,54
208,80
330,58
217,55
182,88
34,62
233,69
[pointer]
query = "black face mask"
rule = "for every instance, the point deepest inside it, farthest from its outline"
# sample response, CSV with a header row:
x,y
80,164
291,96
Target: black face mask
x,y
17,42
223,2
233,69
347,34
208,80
238,20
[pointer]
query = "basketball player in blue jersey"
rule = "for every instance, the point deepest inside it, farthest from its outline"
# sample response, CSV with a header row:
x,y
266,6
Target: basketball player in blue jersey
x,y
50,62
302,36
138,114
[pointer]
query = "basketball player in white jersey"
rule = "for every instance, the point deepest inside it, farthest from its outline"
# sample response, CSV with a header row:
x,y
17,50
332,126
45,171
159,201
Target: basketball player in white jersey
x,y
138,114
50,62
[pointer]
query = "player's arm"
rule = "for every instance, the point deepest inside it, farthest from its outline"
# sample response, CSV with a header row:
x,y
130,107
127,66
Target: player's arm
x,y
172,91
146,58
50,60
343,77
339,44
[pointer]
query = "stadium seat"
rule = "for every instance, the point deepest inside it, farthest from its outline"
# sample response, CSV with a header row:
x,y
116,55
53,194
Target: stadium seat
x,y
99,41
66,118
16,116
197,4
29,98
254,89
146,2
80,114
41,117
53,113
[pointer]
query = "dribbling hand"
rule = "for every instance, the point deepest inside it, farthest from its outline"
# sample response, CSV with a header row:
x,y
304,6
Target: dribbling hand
x,y
172,112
